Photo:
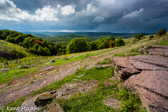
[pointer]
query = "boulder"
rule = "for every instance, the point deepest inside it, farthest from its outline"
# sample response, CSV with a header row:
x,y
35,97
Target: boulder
x,y
43,99
151,86
114,103
54,107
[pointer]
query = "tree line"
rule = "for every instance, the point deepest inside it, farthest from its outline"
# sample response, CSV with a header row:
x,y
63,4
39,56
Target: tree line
x,y
33,44
47,48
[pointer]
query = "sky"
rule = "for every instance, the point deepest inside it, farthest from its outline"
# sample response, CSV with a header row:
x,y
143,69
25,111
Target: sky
x,y
117,16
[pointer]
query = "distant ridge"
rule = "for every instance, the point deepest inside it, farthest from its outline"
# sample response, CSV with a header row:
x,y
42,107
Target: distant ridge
x,y
83,34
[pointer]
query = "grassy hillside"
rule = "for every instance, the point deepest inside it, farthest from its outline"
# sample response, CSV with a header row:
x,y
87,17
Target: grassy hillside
x,y
11,51
90,101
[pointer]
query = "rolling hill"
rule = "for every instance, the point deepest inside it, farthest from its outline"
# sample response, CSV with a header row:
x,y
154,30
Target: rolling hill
x,y
65,37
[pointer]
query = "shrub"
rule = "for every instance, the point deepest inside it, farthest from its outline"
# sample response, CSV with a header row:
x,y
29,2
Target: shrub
x,y
161,32
119,42
151,36
139,36
77,45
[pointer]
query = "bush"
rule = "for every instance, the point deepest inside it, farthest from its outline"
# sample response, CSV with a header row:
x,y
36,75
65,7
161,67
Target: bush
x,y
119,42
77,45
162,32
151,36
139,36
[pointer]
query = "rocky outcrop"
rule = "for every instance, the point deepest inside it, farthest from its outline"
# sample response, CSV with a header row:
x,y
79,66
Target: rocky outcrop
x,y
151,86
123,67
154,50
147,76
65,92
149,62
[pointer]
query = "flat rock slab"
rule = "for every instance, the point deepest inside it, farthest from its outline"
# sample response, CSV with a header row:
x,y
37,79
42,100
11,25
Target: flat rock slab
x,y
155,50
151,86
149,62
122,62
113,103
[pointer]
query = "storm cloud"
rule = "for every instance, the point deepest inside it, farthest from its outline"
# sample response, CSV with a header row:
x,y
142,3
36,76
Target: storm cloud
x,y
84,15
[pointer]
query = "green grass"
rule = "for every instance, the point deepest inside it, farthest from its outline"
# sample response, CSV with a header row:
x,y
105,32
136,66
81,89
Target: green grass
x,y
7,46
162,42
91,74
14,104
16,72
105,61
93,101
7,77
77,57
132,52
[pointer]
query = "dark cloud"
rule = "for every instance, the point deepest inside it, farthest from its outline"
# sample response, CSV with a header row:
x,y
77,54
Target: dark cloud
x,y
98,15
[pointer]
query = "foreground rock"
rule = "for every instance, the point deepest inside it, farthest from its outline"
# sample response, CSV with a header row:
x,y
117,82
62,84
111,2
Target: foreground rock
x,y
154,50
146,75
123,67
151,86
113,103
43,99
149,62
65,92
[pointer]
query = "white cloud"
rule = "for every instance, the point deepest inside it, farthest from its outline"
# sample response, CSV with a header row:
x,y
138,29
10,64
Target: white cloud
x,y
68,9
10,12
133,14
46,13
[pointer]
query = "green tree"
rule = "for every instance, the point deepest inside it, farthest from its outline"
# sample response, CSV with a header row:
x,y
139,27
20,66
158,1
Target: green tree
x,y
28,42
151,36
93,45
162,32
62,50
47,51
77,45
10,39
139,36
41,51
119,42
19,38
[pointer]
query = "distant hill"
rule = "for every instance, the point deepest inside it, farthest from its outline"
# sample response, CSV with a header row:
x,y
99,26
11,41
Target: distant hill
x,y
65,37
83,34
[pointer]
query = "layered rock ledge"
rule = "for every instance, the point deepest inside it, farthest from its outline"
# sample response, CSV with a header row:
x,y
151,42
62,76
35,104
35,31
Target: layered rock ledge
x,y
147,76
